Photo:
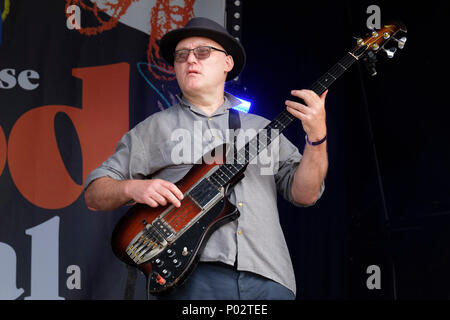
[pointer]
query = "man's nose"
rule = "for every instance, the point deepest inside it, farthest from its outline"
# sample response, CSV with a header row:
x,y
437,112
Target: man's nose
x,y
191,57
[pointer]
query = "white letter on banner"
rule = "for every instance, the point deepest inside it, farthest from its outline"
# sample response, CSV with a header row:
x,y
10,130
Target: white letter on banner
x,y
45,260
74,20
8,287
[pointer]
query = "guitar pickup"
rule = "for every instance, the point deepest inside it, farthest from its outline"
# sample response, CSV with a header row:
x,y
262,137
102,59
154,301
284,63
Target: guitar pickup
x,y
163,228
203,193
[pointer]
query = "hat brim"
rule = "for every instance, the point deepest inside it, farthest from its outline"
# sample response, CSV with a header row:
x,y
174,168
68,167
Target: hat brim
x,y
231,45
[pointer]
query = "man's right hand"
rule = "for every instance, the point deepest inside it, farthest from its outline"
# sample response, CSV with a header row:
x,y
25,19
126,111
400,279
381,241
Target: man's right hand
x,y
154,192
105,193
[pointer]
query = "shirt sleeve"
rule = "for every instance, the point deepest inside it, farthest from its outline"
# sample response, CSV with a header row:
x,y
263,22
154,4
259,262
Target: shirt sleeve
x,y
127,162
289,160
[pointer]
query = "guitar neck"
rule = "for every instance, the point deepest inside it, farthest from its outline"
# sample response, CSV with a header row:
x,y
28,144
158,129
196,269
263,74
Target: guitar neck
x,y
241,158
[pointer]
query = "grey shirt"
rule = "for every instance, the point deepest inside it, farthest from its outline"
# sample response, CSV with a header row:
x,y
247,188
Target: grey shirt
x,y
159,148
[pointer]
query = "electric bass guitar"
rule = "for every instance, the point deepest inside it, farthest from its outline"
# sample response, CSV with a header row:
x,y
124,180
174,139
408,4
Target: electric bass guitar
x,y
165,242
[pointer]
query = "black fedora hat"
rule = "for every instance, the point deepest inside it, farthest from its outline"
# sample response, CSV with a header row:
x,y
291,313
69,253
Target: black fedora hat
x,y
204,27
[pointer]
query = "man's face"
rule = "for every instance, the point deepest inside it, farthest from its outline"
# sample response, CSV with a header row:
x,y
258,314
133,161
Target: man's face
x,y
202,76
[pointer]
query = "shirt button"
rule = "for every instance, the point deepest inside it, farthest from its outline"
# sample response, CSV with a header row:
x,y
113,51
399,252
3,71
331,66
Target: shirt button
x,y
209,118
239,232
240,204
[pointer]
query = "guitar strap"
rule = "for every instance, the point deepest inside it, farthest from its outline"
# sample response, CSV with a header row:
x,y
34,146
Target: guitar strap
x,y
131,283
234,122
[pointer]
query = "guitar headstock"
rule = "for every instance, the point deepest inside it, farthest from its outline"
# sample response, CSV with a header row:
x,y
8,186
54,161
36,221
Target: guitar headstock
x,y
377,40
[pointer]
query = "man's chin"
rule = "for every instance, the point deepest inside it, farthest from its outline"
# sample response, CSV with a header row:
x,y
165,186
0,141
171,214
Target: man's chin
x,y
193,87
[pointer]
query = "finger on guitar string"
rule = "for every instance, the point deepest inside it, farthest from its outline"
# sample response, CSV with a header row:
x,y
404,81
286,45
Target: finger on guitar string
x,y
296,113
154,192
158,197
169,195
152,203
174,189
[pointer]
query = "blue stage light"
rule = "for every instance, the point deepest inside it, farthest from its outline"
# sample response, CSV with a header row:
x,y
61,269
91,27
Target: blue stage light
x,y
244,106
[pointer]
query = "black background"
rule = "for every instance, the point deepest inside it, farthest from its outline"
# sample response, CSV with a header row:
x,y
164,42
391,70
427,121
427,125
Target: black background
x,y
387,196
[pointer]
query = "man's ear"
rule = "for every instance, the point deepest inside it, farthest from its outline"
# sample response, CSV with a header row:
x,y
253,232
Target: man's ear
x,y
229,63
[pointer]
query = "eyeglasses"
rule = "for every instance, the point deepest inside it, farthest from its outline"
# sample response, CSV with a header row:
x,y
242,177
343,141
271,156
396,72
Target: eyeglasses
x,y
201,53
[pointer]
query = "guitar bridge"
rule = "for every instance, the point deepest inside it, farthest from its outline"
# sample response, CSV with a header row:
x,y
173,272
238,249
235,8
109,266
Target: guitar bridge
x,y
150,241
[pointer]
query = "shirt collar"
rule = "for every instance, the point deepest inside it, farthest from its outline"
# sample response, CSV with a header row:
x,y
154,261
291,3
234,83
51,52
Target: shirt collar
x,y
230,102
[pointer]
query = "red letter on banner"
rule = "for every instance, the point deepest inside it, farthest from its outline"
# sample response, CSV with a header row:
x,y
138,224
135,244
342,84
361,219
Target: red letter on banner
x,y
34,159
2,150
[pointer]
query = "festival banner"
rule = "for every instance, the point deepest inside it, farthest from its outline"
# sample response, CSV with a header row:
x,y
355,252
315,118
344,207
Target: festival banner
x,y
75,75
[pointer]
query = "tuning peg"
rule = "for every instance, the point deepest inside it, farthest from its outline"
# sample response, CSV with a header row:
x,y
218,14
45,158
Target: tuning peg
x,y
401,42
390,52
359,41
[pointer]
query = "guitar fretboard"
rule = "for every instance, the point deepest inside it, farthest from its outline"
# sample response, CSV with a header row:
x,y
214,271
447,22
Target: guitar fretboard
x,y
229,170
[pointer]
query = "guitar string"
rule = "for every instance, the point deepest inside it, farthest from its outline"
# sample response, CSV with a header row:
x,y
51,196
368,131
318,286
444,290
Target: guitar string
x,y
182,215
144,249
177,213
335,72
152,239
173,214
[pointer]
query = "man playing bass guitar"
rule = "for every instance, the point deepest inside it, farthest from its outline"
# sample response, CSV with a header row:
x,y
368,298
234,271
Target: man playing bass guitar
x,y
247,258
